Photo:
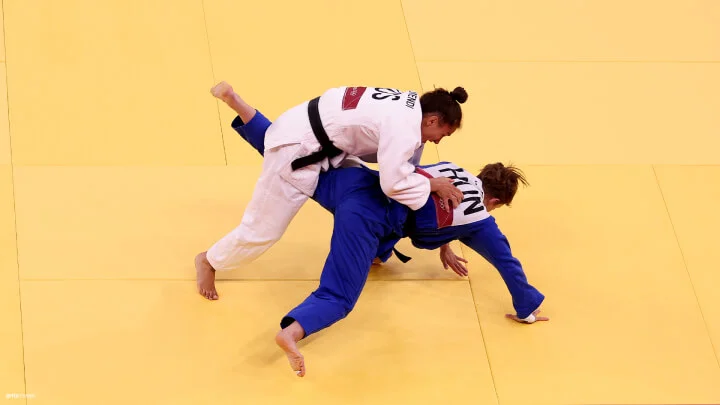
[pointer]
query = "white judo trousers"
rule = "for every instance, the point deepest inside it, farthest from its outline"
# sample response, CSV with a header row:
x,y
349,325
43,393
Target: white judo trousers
x,y
382,123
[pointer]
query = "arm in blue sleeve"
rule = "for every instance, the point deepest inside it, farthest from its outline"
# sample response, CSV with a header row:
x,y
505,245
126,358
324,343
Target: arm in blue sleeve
x,y
253,131
489,242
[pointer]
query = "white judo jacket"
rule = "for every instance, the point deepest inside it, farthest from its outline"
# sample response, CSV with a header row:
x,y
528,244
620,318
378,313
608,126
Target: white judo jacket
x,y
360,121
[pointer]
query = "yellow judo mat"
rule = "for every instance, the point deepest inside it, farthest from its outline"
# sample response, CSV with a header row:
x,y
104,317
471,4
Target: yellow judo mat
x,y
117,167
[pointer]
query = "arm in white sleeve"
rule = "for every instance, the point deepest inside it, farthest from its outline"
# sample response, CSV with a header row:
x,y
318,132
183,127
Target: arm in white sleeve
x,y
398,140
415,159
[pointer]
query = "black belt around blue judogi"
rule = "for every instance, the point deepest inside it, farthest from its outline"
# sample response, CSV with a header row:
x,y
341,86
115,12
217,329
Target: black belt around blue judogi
x,y
327,149
401,256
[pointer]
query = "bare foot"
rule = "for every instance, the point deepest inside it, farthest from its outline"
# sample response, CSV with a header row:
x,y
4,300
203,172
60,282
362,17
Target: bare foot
x,y
288,343
205,277
223,91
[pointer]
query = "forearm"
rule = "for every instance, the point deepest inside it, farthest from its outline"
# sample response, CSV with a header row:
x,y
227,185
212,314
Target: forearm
x,y
412,191
490,243
243,109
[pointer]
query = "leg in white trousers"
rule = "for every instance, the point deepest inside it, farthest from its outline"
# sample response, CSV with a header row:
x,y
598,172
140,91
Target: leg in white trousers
x,y
274,204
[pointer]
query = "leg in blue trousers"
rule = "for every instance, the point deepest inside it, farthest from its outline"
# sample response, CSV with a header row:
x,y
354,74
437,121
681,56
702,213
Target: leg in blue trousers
x,y
356,236
360,211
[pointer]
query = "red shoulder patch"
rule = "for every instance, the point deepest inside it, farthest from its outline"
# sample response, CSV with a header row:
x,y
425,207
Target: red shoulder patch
x,y
352,97
444,218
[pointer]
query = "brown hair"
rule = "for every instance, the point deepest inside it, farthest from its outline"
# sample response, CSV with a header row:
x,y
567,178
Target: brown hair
x,y
501,182
446,104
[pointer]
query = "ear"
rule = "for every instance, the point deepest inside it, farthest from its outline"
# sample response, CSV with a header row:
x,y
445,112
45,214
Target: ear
x,y
431,119
493,203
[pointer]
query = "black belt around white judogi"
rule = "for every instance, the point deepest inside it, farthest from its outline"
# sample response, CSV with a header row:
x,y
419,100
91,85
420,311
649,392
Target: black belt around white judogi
x,y
327,149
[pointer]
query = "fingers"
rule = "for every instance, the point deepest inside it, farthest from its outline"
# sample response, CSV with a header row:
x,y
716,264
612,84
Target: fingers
x,y
458,268
449,193
447,204
301,372
458,196
449,259
540,318
537,318
514,318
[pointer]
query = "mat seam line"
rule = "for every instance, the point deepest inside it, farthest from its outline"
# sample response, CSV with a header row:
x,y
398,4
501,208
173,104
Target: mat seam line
x,y
14,199
415,62
212,70
687,270
482,332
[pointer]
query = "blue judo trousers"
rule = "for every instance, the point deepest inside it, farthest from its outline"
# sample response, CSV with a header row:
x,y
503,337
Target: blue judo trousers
x,y
367,225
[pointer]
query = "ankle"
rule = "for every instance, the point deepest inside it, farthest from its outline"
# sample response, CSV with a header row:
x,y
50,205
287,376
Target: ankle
x,y
295,331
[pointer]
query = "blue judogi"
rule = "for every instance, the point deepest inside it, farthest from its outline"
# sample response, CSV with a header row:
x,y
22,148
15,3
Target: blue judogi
x,y
368,224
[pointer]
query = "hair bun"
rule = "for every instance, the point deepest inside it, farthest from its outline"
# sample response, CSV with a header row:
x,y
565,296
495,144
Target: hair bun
x,y
459,95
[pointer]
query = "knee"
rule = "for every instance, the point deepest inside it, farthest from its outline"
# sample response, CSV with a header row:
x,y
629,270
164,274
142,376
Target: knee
x,y
355,220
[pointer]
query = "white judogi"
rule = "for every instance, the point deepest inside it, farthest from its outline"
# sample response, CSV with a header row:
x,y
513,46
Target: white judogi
x,y
361,121
471,209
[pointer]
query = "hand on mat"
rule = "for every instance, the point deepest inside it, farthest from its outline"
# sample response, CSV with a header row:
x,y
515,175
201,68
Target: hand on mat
x,y
535,314
449,259
445,189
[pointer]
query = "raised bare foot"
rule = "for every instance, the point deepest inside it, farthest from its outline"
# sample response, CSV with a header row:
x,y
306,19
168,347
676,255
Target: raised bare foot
x,y
287,342
205,277
223,91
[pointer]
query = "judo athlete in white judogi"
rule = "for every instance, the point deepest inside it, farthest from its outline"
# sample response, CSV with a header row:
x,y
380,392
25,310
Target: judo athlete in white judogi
x,y
315,136
368,225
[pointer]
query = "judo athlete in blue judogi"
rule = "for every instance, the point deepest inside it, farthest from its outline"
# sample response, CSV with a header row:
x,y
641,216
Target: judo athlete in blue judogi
x,y
367,225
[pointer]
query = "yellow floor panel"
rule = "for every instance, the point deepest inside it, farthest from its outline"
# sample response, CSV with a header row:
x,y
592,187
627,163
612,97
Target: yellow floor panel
x,y
12,374
692,195
625,326
4,125
583,113
276,60
425,265
110,83
2,37
11,367
130,223
157,342
564,30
